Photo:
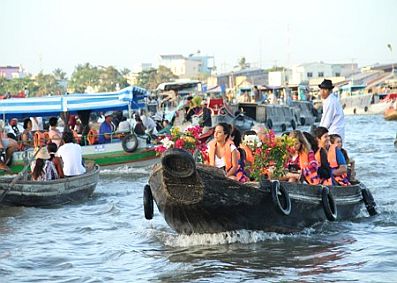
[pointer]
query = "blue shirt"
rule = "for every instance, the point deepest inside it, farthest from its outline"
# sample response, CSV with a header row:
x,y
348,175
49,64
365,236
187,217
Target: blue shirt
x,y
340,158
105,129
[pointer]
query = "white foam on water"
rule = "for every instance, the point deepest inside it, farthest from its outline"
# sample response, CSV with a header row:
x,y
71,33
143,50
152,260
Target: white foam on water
x,y
126,170
224,238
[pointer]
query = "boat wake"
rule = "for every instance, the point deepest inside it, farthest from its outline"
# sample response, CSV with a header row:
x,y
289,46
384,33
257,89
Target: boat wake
x,y
126,170
225,238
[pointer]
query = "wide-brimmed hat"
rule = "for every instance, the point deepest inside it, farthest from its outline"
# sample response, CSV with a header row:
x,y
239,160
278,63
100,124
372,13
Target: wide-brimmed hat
x,y
327,84
43,153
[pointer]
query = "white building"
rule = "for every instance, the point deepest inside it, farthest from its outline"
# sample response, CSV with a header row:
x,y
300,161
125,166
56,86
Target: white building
x,y
187,67
280,78
317,70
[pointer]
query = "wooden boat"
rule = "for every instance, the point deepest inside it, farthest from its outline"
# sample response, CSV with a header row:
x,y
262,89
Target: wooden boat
x,y
200,199
54,192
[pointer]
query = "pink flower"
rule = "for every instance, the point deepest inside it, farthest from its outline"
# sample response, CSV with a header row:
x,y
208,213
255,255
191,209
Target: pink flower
x,y
179,143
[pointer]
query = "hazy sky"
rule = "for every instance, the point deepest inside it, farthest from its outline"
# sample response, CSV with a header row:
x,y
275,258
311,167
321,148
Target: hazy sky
x,y
49,34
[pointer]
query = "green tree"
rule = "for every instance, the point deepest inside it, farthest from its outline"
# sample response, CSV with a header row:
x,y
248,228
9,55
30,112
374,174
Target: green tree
x,y
47,85
59,74
151,78
242,63
110,78
84,76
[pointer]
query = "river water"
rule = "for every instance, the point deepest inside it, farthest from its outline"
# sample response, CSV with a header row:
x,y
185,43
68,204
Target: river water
x,y
107,239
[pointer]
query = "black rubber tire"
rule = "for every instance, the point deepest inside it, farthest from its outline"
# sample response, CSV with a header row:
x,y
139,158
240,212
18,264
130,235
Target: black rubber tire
x,y
280,198
369,202
329,204
178,163
269,124
129,143
293,124
302,121
148,202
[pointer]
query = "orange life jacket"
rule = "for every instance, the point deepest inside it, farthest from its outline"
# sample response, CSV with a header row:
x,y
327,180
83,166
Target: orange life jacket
x,y
325,182
341,180
40,139
312,178
227,157
249,156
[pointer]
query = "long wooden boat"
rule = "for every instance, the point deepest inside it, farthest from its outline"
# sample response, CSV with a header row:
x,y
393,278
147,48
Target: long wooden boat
x,y
48,193
105,155
200,199
131,149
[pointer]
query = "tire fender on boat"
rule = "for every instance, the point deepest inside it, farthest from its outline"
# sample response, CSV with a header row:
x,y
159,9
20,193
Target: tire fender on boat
x,y
178,163
148,202
280,198
329,204
369,202
129,143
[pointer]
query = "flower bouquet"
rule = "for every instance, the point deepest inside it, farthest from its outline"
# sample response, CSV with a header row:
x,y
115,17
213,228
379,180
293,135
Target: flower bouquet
x,y
187,139
270,155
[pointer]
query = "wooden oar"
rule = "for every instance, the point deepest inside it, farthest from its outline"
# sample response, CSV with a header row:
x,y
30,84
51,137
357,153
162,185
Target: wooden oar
x,y
20,174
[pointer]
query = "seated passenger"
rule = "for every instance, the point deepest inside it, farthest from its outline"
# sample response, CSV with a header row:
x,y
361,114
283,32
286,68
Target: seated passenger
x,y
43,169
106,129
323,171
54,134
335,158
71,155
7,147
27,136
222,152
305,160
337,140
166,128
124,126
249,156
52,149
139,128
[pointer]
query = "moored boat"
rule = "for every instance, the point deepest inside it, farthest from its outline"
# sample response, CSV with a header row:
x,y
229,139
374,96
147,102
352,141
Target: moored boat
x,y
200,199
47,193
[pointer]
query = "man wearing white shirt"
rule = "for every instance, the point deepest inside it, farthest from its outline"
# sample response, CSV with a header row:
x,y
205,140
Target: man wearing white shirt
x,y
71,155
333,118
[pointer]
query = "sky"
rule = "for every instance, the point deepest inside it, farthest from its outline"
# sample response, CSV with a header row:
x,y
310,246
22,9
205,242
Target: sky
x,y
42,35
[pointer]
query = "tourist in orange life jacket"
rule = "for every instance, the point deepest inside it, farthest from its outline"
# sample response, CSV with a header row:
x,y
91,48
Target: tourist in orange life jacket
x,y
305,160
223,153
249,156
351,172
335,157
323,171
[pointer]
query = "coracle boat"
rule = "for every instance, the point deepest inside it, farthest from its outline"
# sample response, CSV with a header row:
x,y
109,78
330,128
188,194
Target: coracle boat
x,y
196,198
48,193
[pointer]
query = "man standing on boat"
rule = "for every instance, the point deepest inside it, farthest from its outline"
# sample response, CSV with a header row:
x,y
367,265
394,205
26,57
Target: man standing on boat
x,y
333,118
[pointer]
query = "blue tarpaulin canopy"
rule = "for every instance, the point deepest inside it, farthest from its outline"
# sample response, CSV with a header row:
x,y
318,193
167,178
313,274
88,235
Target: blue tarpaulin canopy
x,y
132,97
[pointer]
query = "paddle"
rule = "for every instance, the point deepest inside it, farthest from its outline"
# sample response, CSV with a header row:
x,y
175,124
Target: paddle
x,y
20,174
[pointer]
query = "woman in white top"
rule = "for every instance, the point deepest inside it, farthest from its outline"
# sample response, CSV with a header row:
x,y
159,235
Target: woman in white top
x,y
222,151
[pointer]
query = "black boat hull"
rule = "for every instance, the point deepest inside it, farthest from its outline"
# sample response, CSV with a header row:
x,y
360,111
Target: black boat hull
x,y
208,202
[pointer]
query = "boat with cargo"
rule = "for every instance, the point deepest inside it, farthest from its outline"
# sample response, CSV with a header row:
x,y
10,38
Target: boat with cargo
x,y
197,199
